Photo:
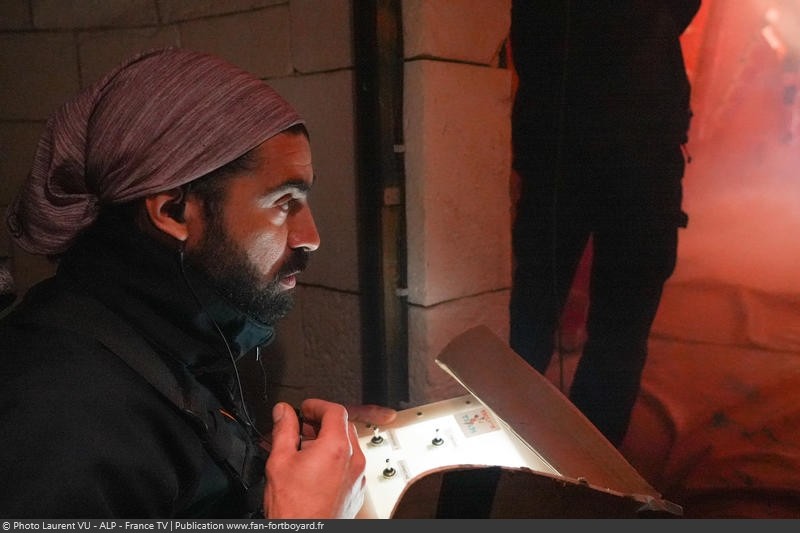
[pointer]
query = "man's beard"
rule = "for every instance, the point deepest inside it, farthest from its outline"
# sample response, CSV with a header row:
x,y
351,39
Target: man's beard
x,y
234,276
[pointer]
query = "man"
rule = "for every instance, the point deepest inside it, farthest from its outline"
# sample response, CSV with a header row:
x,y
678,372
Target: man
x,y
174,193
600,118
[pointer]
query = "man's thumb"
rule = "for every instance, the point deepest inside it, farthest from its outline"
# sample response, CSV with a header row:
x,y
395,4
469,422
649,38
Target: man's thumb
x,y
278,411
285,435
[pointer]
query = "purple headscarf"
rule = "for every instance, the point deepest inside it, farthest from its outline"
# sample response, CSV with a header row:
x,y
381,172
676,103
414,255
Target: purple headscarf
x,y
158,121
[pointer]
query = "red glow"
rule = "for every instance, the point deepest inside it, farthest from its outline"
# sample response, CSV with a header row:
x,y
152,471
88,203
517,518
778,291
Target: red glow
x,y
742,190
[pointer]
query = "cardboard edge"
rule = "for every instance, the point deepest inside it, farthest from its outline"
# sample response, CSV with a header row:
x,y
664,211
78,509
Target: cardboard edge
x,y
502,381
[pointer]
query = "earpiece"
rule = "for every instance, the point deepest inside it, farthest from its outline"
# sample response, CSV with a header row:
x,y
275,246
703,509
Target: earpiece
x,y
177,206
175,211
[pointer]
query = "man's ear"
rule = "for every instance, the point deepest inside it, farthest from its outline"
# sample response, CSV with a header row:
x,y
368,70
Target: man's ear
x,y
166,212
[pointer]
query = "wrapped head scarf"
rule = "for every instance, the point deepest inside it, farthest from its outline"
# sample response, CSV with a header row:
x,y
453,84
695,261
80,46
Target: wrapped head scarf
x,y
158,121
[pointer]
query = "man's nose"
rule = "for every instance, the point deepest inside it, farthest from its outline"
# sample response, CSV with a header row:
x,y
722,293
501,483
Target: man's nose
x,y
304,231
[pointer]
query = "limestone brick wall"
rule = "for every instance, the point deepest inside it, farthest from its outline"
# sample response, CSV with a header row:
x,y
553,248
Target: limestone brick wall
x,y
457,100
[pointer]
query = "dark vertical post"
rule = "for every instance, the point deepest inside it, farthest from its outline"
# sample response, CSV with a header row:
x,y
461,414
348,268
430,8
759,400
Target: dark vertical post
x,y
378,49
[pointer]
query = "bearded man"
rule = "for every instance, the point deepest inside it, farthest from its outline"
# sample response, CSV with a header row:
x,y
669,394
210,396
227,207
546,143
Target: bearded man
x,y
174,195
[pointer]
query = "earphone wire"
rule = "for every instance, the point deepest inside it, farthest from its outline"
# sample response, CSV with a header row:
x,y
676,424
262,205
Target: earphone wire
x,y
248,420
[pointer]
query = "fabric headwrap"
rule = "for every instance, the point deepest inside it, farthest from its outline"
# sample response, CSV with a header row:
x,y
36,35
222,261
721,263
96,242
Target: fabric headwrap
x,y
160,120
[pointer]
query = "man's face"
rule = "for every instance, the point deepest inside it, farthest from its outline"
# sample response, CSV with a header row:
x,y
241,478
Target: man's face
x,y
266,233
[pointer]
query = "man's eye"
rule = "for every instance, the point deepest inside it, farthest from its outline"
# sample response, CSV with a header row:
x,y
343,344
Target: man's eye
x,y
285,203
289,202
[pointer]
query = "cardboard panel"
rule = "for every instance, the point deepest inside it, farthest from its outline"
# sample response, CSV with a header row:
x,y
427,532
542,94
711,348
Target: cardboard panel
x,y
515,447
538,412
501,492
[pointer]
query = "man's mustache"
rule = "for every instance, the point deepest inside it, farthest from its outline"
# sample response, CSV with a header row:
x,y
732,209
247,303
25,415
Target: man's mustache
x,y
297,262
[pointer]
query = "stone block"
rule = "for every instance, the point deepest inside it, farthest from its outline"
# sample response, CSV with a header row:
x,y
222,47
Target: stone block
x,y
15,15
181,10
431,329
326,102
17,145
75,14
34,93
101,51
322,39
257,41
458,159
332,334
472,31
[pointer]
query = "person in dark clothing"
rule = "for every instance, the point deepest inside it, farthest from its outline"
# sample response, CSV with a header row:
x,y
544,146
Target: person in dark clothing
x,y
174,194
600,122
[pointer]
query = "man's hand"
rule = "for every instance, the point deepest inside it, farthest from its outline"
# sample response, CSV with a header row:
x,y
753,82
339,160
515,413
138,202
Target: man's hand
x,y
323,477
371,414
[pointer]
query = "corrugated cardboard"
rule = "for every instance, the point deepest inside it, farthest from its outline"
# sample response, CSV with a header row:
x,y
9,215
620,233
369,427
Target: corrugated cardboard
x,y
544,459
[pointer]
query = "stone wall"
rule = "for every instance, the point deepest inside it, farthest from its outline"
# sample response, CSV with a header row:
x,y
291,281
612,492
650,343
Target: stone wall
x,y
458,158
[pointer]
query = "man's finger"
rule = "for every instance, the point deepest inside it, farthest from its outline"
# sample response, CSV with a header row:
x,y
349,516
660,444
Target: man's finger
x,y
371,414
285,429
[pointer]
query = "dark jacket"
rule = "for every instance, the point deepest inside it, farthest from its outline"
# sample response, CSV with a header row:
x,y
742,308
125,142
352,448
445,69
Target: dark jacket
x,y
85,433
609,70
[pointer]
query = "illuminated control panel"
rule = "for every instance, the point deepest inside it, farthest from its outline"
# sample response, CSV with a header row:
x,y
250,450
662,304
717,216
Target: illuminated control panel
x,y
459,431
